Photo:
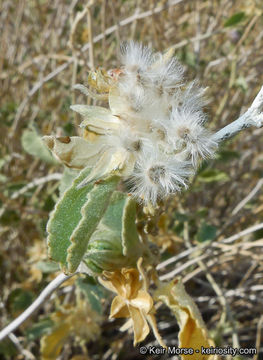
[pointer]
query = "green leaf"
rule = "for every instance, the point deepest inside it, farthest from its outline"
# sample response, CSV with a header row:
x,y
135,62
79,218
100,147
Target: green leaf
x,y
93,291
75,218
115,243
49,203
227,155
7,349
19,300
206,233
120,217
202,212
4,160
235,19
130,238
47,267
3,178
33,145
212,175
9,217
92,212
39,329
65,217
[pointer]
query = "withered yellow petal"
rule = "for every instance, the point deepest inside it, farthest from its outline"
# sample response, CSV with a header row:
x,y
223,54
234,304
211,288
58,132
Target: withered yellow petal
x,y
132,283
193,333
100,80
113,281
143,301
140,325
119,309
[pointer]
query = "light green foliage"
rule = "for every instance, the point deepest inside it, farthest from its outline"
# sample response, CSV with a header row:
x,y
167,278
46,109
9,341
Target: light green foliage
x,y
19,299
93,291
47,267
39,329
65,218
75,218
212,175
225,155
92,212
206,232
235,19
115,243
32,143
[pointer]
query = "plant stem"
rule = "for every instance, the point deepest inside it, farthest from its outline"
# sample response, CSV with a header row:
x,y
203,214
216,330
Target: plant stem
x,y
252,117
60,279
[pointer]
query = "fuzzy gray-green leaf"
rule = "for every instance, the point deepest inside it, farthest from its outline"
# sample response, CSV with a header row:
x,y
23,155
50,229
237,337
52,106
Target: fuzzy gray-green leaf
x,y
130,238
32,143
91,212
115,243
65,218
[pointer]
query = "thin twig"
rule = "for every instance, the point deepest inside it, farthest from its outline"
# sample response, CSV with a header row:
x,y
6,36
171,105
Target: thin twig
x,y
243,233
27,354
36,182
86,47
34,89
131,19
179,256
60,279
248,197
116,21
228,240
90,27
184,266
227,313
258,338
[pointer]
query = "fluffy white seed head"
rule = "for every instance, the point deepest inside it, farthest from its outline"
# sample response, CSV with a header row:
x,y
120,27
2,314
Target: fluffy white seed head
x,y
136,57
188,134
154,132
166,74
156,176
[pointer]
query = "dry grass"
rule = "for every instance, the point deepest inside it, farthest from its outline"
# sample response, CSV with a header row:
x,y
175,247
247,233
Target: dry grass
x,y
47,47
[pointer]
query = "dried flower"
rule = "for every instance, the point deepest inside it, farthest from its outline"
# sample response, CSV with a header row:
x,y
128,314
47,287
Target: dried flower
x,y
132,301
193,333
153,133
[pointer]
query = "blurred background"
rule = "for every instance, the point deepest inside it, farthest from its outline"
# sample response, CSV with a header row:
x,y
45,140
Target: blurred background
x,y
46,48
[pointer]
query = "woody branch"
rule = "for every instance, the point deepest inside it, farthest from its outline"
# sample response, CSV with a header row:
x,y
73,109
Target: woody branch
x,y
252,117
